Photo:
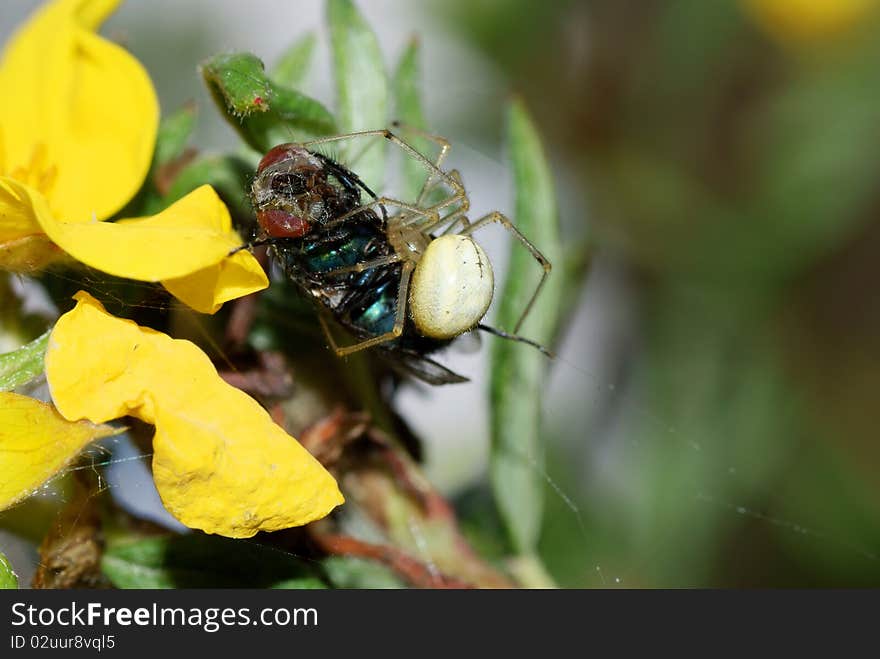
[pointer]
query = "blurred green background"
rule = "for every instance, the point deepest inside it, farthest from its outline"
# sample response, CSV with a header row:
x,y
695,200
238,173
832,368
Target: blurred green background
x,y
711,417
728,153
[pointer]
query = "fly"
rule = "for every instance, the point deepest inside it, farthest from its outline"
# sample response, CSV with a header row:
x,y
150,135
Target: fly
x,y
405,278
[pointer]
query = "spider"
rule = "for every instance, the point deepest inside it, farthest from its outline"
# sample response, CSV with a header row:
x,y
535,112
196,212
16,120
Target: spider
x,y
405,278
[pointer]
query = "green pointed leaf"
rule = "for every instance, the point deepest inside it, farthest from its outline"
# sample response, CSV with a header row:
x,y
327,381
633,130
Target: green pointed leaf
x,y
409,112
23,365
174,134
519,371
263,112
202,561
362,90
291,68
8,578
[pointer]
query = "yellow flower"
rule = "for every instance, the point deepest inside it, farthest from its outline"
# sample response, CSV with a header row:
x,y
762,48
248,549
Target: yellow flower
x,y
219,462
36,443
77,129
78,125
808,21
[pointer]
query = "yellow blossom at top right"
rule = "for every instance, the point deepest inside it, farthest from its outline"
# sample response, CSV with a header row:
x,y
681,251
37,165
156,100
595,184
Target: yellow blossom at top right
x,y
809,21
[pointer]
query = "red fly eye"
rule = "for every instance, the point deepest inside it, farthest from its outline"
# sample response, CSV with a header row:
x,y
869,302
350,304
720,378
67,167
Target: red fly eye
x,y
281,224
277,154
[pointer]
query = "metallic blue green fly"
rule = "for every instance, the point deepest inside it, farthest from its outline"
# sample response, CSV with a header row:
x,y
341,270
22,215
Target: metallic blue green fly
x,y
404,277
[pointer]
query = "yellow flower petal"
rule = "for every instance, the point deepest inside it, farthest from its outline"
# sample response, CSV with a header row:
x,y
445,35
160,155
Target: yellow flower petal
x,y
178,241
188,244
23,245
36,443
807,21
79,114
220,463
207,290
77,129
16,212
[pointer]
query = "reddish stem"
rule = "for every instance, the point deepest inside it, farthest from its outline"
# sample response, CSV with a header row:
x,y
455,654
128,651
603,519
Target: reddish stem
x,y
415,573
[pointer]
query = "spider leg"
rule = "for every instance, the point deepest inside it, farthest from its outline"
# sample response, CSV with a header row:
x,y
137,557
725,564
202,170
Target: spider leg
x,y
514,337
442,142
399,319
366,265
429,223
322,318
455,217
505,222
432,184
459,196
459,217
431,181
381,202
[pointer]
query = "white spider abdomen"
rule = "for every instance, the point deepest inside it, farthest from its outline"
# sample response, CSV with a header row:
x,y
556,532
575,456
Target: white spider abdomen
x,y
451,287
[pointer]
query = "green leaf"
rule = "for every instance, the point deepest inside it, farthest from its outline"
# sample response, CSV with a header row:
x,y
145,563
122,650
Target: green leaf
x,y
348,572
303,583
202,561
713,429
171,141
291,68
229,175
23,365
409,112
481,524
240,83
8,578
263,112
519,371
173,136
362,90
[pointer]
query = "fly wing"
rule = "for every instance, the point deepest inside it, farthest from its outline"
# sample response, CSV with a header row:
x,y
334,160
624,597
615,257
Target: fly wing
x,y
421,367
